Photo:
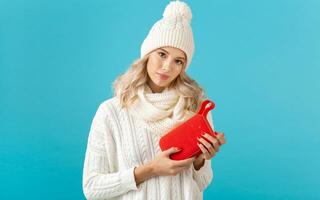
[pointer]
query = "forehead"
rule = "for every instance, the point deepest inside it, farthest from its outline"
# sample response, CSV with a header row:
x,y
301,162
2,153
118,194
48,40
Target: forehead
x,y
175,52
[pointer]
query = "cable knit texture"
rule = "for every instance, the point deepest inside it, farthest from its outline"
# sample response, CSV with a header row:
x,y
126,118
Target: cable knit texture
x,y
121,139
160,111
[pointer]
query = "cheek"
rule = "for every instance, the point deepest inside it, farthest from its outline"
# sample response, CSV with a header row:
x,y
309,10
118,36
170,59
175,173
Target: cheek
x,y
151,69
152,65
176,73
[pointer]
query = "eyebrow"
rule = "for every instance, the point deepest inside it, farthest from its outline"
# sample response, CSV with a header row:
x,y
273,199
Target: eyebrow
x,y
168,53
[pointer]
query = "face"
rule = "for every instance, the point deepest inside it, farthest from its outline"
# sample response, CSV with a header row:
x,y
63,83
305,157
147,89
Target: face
x,y
164,65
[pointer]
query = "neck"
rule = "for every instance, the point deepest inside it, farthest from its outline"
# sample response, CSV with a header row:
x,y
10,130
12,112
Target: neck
x,y
155,88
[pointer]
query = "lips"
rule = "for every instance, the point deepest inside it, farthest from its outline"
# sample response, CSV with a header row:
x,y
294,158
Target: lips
x,y
163,76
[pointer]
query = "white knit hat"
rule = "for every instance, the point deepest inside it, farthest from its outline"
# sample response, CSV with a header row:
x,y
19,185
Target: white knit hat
x,y
173,30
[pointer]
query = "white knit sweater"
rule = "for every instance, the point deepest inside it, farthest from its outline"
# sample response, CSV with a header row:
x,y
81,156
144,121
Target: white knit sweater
x,y
117,143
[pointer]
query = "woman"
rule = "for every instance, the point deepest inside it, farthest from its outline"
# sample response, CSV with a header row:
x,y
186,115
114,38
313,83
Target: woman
x,y
123,159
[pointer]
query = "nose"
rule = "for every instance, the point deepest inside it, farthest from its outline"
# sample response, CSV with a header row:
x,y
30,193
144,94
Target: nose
x,y
166,65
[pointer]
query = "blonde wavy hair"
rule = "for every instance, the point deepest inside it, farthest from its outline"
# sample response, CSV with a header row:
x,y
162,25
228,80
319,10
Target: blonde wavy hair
x,y
126,85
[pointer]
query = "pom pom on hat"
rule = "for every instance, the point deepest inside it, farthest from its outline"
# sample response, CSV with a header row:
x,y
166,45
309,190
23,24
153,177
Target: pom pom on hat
x,y
177,9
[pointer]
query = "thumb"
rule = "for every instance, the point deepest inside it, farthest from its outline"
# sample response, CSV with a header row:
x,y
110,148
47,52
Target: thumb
x,y
172,150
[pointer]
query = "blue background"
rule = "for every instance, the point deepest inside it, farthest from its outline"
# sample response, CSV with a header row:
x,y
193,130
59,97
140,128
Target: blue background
x,y
259,61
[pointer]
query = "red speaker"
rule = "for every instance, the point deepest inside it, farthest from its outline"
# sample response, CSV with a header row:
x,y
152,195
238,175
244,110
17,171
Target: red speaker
x,y
185,135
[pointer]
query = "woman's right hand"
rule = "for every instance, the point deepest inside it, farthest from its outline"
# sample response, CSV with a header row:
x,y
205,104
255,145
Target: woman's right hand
x,y
162,165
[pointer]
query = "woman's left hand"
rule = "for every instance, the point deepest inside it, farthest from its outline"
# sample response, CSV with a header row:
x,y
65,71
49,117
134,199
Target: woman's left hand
x,y
209,149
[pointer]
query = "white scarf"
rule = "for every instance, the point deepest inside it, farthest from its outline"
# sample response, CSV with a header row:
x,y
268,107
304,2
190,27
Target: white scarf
x,y
160,111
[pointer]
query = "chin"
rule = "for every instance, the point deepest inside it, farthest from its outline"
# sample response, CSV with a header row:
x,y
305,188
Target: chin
x,y
162,85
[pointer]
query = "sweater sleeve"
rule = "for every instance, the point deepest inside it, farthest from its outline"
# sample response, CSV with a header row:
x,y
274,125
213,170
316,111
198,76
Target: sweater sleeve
x,y
204,175
101,180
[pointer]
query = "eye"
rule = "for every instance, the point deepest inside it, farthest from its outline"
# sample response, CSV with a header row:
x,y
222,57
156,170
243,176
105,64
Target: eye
x,y
179,62
162,55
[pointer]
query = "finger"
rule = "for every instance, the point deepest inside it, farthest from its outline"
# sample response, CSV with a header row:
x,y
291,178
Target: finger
x,y
221,138
207,154
171,151
205,151
214,141
182,163
220,134
209,146
200,157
